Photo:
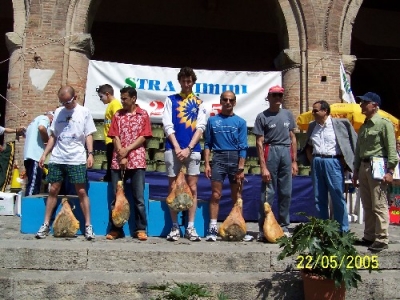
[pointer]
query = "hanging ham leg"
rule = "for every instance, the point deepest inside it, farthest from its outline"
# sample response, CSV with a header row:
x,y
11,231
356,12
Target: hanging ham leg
x,y
180,198
121,211
234,227
65,224
271,228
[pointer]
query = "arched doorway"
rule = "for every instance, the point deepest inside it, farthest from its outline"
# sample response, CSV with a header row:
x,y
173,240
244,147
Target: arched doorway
x,y
376,44
202,34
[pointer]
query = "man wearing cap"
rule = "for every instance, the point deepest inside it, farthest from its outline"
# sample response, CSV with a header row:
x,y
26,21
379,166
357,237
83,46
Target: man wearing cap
x,y
277,151
375,138
330,149
36,137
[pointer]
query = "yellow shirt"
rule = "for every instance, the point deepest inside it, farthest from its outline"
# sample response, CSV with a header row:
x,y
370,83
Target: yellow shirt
x,y
111,109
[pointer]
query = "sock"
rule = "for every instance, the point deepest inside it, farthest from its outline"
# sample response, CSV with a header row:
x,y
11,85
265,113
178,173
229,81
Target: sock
x,y
190,224
213,223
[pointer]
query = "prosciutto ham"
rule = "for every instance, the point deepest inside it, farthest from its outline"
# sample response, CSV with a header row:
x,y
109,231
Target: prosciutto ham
x,y
272,230
121,211
65,224
234,226
180,198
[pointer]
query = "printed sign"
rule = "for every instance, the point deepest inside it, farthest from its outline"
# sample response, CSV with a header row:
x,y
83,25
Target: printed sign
x,y
379,165
154,84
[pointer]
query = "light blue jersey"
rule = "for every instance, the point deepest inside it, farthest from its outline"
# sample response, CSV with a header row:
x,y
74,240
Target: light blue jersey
x,y
34,145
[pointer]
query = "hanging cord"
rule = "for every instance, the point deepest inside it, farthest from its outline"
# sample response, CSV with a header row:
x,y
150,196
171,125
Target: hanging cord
x,y
23,113
122,175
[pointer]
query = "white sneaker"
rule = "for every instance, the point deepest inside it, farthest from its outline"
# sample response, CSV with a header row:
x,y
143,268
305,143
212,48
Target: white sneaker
x,y
192,235
89,234
212,234
287,234
174,235
261,237
43,231
248,238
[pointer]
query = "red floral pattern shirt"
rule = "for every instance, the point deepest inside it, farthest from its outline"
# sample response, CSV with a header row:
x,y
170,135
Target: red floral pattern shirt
x,y
128,127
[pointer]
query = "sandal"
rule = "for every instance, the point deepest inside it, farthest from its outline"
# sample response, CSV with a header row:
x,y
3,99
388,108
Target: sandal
x,y
141,235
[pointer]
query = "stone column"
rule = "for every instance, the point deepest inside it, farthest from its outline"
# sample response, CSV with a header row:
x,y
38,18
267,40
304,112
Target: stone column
x,y
349,63
289,62
14,43
81,48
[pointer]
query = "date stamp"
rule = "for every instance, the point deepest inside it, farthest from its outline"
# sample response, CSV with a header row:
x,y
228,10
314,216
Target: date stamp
x,y
334,262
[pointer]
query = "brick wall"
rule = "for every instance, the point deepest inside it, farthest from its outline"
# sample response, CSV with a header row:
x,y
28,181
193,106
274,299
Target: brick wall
x,y
47,26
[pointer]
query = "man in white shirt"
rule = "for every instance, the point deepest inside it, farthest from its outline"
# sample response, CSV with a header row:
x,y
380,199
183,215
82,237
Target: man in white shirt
x,y
71,129
330,149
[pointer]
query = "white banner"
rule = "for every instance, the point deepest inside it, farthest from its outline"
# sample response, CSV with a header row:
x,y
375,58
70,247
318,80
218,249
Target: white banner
x,y
154,84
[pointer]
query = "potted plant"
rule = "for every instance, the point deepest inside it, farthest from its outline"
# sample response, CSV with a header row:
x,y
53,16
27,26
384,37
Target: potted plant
x,y
325,254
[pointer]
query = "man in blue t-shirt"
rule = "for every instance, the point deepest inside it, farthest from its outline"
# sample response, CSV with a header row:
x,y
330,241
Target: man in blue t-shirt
x,y
226,136
277,152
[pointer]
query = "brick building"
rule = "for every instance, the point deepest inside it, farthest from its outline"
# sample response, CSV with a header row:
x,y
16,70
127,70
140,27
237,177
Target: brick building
x,y
303,39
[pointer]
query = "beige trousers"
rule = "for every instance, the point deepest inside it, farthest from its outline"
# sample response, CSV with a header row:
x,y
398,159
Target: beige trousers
x,y
374,199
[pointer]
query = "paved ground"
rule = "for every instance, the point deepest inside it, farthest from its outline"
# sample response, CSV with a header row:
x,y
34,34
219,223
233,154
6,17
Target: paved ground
x,y
10,230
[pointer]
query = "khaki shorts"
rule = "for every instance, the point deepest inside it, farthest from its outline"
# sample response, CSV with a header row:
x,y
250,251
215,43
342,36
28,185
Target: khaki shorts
x,y
174,165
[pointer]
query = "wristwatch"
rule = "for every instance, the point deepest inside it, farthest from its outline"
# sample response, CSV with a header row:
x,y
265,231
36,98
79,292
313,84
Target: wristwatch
x,y
389,172
190,149
240,170
91,152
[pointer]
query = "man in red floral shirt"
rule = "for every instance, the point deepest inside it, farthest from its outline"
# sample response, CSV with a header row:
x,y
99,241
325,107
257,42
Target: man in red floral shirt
x,y
129,129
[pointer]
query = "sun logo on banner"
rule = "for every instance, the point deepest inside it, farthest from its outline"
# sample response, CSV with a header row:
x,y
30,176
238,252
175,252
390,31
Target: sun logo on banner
x,y
188,109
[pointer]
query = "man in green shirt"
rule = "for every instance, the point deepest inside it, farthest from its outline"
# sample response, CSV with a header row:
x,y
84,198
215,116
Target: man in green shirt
x,y
375,138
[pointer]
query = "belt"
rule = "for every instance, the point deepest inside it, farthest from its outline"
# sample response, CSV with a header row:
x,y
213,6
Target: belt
x,y
366,160
326,156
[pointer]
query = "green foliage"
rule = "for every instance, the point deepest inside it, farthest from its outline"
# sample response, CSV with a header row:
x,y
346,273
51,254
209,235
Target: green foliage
x,y
322,249
184,291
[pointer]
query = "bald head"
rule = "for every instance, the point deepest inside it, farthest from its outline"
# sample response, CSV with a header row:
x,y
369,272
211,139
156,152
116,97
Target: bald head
x,y
66,96
66,91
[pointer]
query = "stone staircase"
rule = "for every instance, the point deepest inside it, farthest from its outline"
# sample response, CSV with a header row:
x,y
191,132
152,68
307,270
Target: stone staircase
x,y
128,269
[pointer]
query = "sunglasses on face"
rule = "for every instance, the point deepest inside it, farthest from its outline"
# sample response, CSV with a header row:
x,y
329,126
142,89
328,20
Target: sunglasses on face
x,y
366,102
228,99
67,102
276,95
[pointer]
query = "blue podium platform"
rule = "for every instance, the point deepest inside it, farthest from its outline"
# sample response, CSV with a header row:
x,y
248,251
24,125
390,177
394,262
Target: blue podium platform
x,y
302,194
156,191
101,195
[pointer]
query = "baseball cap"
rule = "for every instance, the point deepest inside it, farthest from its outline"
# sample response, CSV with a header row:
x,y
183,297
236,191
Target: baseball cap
x,y
49,113
371,97
276,89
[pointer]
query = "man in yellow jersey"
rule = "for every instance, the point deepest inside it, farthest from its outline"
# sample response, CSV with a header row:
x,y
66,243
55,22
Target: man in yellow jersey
x,y
106,94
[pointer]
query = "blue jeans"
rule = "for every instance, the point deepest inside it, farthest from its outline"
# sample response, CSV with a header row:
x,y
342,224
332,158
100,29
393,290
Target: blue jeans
x,y
137,183
328,176
225,163
279,164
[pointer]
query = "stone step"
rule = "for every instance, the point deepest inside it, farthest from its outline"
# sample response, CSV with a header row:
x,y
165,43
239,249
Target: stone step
x,y
158,255
57,268
88,284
